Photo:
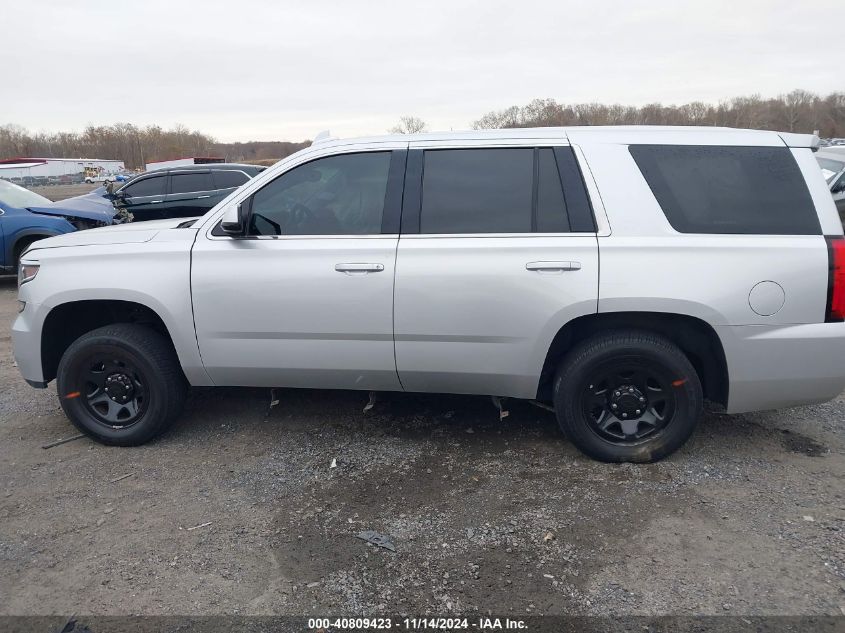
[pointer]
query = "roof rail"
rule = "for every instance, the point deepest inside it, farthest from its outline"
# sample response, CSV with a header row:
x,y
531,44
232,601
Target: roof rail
x,y
323,136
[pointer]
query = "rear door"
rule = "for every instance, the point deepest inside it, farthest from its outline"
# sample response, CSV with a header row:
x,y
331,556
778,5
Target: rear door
x,y
498,251
191,193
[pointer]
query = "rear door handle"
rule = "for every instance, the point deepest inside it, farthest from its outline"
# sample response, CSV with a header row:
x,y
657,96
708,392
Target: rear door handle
x,y
552,267
359,269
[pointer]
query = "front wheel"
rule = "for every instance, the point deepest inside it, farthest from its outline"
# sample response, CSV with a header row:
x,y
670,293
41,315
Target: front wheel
x,y
627,396
121,384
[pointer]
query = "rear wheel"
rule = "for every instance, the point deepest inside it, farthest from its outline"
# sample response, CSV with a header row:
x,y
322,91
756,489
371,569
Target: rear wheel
x,y
121,384
627,396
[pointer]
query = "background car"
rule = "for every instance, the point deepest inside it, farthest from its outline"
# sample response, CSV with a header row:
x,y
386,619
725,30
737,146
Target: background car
x,y
26,216
181,192
832,164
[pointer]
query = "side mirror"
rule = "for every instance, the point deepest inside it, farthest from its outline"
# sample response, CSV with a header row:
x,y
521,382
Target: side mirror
x,y
234,220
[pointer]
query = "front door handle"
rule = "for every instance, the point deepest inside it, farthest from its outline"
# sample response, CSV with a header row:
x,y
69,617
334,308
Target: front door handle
x,y
358,269
552,267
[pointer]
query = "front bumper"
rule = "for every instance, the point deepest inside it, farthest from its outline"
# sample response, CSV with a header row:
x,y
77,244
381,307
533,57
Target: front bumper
x,y
772,367
26,342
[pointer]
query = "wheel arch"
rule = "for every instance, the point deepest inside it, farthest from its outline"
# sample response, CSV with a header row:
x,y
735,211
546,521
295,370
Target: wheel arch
x,y
68,321
24,237
694,336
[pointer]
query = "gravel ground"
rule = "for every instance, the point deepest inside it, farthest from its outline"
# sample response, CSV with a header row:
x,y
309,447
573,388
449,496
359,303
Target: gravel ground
x,y
60,192
238,510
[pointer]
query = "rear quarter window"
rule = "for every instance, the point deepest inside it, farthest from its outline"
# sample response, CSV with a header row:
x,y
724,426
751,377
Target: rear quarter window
x,y
728,190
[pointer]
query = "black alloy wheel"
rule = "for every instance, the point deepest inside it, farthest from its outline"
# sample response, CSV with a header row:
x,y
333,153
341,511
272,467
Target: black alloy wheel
x,y
121,384
627,396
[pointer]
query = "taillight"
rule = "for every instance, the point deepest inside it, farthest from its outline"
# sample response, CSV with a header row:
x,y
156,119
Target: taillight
x,y
836,280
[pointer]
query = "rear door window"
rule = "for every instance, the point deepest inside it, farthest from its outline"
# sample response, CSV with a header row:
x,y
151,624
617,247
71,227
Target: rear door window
x,y
728,190
498,190
190,182
477,191
229,179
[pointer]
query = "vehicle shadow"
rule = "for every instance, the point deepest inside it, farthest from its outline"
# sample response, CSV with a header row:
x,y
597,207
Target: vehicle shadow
x,y
408,415
472,423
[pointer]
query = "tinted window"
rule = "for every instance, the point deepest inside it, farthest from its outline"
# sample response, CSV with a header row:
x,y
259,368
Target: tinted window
x,y
705,189
551,206
147,187
188,183
477,191
228,179
338,195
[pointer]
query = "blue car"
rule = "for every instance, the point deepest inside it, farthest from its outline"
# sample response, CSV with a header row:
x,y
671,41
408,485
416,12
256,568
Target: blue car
x,y
26,217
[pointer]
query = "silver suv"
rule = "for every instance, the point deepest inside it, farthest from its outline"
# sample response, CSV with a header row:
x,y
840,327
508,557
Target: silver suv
x,y
623,275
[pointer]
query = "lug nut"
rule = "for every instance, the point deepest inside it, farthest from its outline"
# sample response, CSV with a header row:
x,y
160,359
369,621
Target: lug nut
x,y
624,415
613,406
642,399
631,389
617,394
637,411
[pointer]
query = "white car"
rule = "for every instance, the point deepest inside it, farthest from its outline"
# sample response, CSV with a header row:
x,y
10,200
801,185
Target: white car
x,y
622,274
832,164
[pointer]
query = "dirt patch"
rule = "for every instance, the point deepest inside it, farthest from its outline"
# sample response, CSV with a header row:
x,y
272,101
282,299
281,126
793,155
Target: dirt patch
x,y
797,443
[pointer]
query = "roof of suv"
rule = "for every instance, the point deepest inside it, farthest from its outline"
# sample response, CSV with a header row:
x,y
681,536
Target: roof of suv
x,y
213,167
623,134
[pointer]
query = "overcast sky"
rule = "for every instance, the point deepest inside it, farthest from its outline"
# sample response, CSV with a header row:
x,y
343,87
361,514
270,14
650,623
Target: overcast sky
x,y
264,70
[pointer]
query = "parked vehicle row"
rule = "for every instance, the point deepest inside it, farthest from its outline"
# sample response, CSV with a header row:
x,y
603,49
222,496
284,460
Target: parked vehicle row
x,y
623,275
169,193
832,164
26,217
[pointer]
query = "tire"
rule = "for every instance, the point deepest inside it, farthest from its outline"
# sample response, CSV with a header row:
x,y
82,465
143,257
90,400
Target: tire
x,y
140,369
632,374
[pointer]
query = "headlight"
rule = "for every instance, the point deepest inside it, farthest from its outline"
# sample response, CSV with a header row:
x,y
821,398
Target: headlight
x,y
27,272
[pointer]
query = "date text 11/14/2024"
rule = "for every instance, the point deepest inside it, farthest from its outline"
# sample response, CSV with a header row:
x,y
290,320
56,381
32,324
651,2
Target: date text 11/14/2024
x,y
416,624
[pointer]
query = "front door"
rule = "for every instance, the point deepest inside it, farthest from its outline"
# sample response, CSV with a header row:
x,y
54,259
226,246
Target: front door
x,y
144,197
306,299
498,251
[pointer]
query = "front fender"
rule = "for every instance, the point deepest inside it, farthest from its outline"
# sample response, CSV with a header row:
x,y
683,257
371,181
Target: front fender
x,y
153,274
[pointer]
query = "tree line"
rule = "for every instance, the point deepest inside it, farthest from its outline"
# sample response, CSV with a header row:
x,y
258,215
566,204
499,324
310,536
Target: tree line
x,y
135,145
797,111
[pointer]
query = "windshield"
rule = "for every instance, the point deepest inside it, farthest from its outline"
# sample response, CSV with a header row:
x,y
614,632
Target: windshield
x,y
13,196
830,167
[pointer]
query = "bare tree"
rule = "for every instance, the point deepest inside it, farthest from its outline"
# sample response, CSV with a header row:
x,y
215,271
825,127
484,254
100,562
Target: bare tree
x,y
408,125
797,111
